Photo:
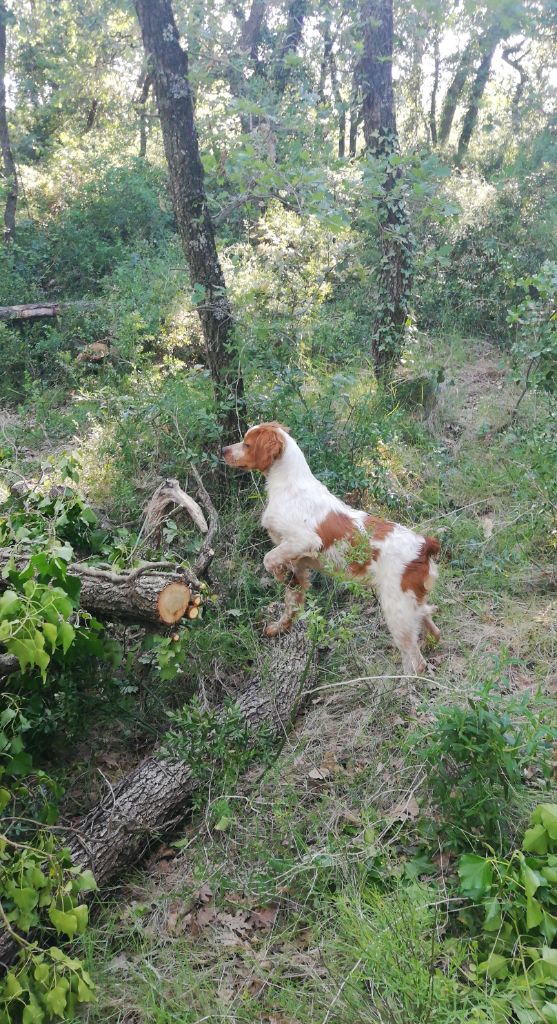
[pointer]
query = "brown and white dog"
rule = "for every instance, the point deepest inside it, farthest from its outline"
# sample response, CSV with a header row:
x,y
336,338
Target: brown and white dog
x,y
312,529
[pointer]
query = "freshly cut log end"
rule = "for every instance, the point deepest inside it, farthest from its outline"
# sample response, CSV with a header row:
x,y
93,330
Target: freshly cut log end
x,y
192,612
172,602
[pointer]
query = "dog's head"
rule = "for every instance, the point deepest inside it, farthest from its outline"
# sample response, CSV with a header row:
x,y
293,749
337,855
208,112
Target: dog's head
x,y
262,445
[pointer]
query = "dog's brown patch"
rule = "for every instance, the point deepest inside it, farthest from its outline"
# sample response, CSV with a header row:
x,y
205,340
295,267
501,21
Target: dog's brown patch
x,y
377,529
334,527
416,575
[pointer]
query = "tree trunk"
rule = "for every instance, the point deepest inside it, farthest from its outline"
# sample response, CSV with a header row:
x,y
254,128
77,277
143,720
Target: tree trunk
x,y
454,92
31,311
519,91
146,596
142,110
355,111
491,42
169,67
341,110
297,11
9,168
395,272
434,88
91,116
154,797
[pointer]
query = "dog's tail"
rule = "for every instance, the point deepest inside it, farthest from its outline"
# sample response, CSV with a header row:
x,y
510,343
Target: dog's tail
x,y
430,549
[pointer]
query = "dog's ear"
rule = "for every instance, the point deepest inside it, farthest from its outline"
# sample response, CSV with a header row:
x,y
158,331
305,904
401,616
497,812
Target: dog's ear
x,y
268,446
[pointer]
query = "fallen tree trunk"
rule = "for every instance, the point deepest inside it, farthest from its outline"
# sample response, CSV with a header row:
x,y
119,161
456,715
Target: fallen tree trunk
x,y
144,596
153,799
29,311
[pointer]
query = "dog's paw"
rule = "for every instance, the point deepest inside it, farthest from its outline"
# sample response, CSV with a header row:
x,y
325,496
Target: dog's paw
x,y
274,628
273,564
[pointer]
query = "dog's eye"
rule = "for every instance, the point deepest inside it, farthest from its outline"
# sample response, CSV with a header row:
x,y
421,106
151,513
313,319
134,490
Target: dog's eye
x,y
246,445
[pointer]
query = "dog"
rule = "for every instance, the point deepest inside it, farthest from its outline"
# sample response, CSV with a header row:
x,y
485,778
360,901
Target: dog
x,y
312,529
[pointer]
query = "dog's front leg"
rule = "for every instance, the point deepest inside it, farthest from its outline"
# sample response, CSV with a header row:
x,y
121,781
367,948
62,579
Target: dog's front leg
x,y
297,582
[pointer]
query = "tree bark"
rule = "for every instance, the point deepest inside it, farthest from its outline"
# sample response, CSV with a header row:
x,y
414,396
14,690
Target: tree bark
x,y
519,91
30,311
9,167
341,109
490,43
152,799
395,271
146,596
454,92
169,67
434,89
142,110
91,116
355,111
297,11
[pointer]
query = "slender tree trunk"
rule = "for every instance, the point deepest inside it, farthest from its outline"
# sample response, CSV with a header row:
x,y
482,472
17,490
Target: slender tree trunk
x,y
434,89
341,110
519,91
9,168
476,93
145,82
454,92
395,272
355,111
294,27
169,68
91,116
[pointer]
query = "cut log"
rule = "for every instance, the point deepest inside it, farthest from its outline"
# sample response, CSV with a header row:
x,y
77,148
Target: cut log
x,y
145,596
8,664
151,800
29,311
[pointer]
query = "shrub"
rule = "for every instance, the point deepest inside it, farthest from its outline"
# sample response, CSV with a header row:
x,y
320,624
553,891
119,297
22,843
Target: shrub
x,y
475,758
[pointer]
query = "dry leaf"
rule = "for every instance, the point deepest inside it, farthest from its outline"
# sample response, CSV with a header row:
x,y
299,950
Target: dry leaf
x,y
263,917
319,774
405,810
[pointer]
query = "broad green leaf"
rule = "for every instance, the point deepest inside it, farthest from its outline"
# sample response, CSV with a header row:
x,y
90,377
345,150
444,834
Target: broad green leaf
x,y
549,927
41,972
25,897
12,986
535,840
531,879
5,797
534,913
476,875
549,957
32,1014
56,999
24,651
65,922
9,604
492,921
86,881
496,966
66,633
546,814
81,914
51,633
549,1013
84,993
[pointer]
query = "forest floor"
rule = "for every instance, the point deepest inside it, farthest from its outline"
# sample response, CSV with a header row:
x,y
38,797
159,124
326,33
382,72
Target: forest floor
x,y
259,912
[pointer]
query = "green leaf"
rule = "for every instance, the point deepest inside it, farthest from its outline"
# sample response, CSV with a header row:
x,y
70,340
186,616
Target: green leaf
x,y
56,999
5,797
51,633
86,881
9,604
495,966
546,814
535,840
12,986
32,1014
549,957
85,994
531,880
476,875
24,651
25,897
66,633
63,921
534,913
549,927
41,972
81,914
548,1013
492,921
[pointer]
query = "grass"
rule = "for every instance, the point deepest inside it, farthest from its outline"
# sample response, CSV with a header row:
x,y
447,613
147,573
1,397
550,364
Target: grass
x,y
306,905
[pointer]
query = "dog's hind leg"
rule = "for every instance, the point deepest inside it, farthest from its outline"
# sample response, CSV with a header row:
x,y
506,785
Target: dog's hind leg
x,y
297,583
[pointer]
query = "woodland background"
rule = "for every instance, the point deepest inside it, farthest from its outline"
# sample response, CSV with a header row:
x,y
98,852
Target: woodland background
x,y
343,217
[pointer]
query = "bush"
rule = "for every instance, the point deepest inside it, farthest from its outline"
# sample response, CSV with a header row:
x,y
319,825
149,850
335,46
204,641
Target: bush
x,y
475,758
